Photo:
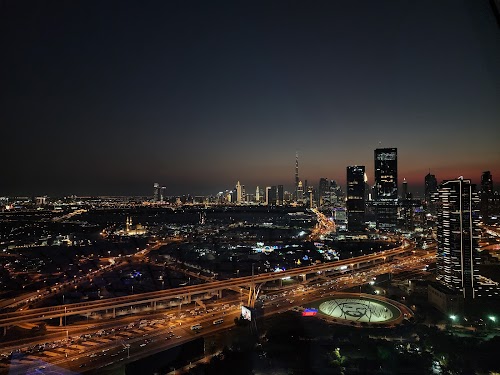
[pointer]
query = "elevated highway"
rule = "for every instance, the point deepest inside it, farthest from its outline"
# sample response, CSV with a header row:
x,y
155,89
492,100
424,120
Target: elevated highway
x,y
189,293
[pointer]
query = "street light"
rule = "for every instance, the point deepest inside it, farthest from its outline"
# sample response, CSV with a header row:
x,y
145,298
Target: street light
x,y
65,324
492,318
453,317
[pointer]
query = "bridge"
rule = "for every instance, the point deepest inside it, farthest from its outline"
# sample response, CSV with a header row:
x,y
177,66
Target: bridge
x,y
192,293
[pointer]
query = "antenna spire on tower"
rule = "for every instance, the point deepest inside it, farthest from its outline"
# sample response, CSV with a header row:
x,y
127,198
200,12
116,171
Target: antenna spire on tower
x,y
296,174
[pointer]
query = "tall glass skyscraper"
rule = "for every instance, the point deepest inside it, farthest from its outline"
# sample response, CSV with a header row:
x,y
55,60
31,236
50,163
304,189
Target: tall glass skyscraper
x,y
486,194
355,203
431,186
156,192
457,236
386,187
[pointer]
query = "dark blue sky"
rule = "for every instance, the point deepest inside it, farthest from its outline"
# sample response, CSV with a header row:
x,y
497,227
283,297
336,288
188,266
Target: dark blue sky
x,y
109,97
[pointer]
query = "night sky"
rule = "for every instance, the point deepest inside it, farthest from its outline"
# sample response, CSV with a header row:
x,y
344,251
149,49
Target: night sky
x,y
106,98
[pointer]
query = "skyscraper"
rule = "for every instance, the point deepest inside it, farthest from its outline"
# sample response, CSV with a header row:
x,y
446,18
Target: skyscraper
x,y
257,194
156,192
268,193
486,194
273,195
297,176
336,193
457,236
430,187
407,207
324,192
386,187
300,192
404,193
281,197
355,198
239,192
163,195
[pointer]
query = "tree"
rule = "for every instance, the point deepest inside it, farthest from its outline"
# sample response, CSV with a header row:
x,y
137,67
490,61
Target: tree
x,y
337,360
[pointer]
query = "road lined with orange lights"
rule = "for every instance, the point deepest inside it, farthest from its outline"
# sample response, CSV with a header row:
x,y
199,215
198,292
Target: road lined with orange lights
x,y
39,314
101,352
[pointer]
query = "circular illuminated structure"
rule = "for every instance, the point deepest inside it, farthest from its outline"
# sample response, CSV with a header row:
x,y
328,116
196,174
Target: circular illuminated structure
x,y
357,308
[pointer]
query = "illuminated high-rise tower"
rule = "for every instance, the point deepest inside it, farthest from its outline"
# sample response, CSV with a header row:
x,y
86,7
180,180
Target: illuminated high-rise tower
x,y
386,187
404,193
297,197
457,237
163,195
300,192
281,195
239,192
268,194
324,192
431,186
156,192
355,203
486,194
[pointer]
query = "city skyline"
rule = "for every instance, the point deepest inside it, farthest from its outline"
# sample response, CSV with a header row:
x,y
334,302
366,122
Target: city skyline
x,y
106,100
418,189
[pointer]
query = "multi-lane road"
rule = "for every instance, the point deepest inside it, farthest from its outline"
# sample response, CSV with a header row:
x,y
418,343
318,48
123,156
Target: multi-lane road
x,y
189,292
144,340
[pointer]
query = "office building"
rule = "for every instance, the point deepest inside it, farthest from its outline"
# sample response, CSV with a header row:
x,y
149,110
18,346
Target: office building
x,y
457,237
239,192
486,194
431,186
273,196
281,196
268,193
163,195
324,192
386,188
355,203
297,196
411,211
300,193
330,193
156,192
404,193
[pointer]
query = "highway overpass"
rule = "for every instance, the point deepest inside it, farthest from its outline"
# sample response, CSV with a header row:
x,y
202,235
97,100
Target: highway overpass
x,y
190,293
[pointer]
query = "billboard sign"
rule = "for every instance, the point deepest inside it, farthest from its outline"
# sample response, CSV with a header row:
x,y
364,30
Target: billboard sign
x,y
309,312
246,313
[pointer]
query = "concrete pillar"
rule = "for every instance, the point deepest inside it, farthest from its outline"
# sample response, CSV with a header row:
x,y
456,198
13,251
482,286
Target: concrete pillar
x,y
60,321
154,305
5,330
114,312
281,283
304,278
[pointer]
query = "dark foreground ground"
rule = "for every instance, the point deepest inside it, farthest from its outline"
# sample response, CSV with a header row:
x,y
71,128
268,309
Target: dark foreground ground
x,y
291,344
